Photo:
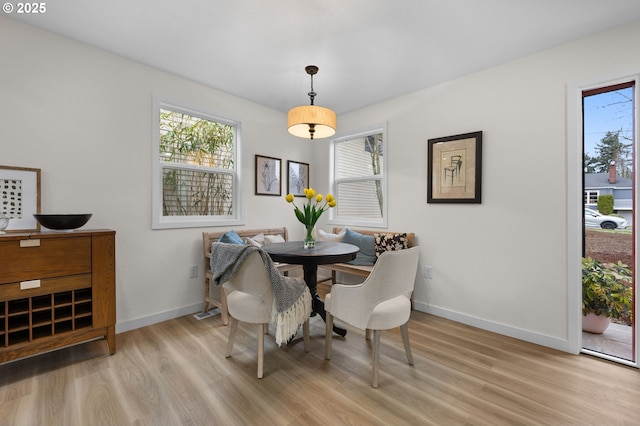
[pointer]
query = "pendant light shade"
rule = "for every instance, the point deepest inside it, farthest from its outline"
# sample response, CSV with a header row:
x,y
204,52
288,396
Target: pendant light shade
x,y
304,119
310,121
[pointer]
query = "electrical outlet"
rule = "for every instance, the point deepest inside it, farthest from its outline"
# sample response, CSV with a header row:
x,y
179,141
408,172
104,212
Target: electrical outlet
x,y
193,271
428,272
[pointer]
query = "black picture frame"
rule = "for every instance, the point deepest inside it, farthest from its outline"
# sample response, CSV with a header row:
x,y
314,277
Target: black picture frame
x,y
297,178
268,175
454,169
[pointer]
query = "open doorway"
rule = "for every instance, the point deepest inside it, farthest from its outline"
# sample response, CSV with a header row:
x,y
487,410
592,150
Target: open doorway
x,y
608,248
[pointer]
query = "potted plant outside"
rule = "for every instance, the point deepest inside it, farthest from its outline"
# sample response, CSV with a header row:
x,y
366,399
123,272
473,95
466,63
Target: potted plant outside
x,y
606,294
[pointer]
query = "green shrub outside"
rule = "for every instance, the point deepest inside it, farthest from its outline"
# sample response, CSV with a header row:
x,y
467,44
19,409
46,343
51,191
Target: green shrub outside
x,y
605,203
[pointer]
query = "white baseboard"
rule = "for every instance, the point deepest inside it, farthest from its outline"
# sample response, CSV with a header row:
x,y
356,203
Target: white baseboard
x,y
506,330
121,327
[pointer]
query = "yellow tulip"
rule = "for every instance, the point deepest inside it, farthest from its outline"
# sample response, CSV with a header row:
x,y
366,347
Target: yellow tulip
x,y
318,198
332,203
329,198
310,193
289,198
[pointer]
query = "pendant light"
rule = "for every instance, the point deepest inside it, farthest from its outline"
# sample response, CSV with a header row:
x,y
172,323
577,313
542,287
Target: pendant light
x,y
310,121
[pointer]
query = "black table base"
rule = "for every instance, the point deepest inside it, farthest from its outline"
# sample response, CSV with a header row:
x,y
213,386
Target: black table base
x,y
324,252
317,304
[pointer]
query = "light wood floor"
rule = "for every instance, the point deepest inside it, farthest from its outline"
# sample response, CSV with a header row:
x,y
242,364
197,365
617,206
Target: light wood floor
x,y
175,373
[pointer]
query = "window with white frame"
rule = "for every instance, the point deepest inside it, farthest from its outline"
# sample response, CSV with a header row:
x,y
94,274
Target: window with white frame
x,y
359,179
591,197
195,173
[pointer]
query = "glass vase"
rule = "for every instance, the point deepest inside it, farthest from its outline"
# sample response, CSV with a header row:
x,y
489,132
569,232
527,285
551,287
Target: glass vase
x,y
4,222
310,236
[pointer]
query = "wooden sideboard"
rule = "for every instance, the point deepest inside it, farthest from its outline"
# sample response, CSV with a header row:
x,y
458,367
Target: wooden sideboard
x,y
56,289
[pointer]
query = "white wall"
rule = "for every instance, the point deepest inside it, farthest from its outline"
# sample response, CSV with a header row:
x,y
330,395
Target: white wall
x,y
503,264
83,116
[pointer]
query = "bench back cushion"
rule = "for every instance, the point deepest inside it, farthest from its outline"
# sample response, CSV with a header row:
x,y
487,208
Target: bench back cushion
x,y
244,234
367,245
371,242
411,237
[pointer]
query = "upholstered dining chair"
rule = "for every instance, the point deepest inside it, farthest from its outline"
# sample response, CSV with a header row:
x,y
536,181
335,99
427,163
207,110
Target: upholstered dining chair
x,y
381,302
250,299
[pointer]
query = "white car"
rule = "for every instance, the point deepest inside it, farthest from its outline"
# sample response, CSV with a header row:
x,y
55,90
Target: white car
x,y
594,219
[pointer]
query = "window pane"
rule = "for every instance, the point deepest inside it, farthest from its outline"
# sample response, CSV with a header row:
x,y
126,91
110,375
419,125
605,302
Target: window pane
x,y
591,197
192,140
359,157
195,169
361,199
196,193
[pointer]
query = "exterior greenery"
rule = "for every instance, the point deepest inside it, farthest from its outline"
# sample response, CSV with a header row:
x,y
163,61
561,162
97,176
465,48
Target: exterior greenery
x,y
606,289
197,156
610,148
605,204
373,145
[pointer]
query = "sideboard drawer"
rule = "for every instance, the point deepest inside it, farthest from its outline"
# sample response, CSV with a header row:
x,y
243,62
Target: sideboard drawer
x,y
33,259
47,286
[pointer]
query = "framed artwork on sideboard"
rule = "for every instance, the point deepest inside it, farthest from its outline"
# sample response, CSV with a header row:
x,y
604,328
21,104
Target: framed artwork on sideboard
x,y
20,197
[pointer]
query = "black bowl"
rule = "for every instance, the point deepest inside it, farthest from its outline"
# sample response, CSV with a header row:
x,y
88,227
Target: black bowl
x,y
62,222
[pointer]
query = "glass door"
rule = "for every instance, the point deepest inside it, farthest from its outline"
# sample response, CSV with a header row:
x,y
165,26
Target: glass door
x,y
608,249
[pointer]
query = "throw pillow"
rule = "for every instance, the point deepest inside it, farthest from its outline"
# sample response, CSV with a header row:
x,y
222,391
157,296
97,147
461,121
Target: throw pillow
x,y
366,244
328,236
259,238
251,242
270,239
390,242
230,237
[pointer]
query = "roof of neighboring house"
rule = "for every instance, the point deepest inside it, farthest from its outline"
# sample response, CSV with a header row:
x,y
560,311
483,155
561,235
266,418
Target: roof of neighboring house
x,y
601,180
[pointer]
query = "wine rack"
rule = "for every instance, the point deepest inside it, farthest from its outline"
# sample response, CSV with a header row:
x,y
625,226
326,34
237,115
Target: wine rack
x,y
29,319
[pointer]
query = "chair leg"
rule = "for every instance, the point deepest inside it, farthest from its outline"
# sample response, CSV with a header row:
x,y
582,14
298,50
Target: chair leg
x,y
232,336
205,303
224,310
404,329
261,328
305,335
327,336
376,356
367,334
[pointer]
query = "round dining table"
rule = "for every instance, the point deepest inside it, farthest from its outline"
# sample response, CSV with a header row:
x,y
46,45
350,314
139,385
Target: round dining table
x,y
324,252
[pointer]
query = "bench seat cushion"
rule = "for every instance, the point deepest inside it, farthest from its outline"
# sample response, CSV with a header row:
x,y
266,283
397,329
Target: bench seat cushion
x,y
361,270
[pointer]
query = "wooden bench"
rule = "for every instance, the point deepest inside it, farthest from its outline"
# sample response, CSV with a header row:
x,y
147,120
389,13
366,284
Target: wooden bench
x,y
359,270
213,294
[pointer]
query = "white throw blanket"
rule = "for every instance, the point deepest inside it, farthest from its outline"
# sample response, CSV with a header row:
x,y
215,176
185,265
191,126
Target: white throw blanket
x,y
292,298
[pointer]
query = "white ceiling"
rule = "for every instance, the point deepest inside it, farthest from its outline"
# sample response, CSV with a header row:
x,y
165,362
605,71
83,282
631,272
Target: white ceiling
x,y
367,50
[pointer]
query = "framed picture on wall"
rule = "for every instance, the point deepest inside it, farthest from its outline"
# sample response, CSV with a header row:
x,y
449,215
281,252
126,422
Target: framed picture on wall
x,y
268,171
297,178
20,197
454,169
